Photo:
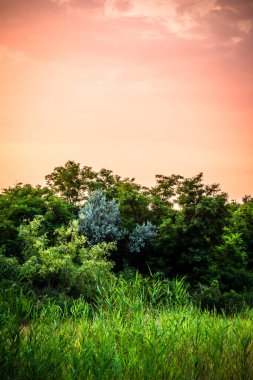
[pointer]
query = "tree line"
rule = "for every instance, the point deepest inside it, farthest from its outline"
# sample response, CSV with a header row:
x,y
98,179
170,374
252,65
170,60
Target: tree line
x,y
85,226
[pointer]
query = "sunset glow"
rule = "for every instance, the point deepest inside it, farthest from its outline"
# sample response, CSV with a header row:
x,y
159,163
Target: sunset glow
x,y
141,87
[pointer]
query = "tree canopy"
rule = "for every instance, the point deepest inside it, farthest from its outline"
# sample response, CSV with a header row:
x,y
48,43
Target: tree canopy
x,y
178,227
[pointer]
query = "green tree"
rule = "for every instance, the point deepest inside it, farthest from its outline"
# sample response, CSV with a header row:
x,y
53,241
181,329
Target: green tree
x,y
69,266
133,205
233,258
242,223
20,204
163,197
229,263
71,181
75,183
186,237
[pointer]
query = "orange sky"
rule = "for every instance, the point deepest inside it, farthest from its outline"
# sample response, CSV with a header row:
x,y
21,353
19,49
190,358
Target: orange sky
x,y
140,87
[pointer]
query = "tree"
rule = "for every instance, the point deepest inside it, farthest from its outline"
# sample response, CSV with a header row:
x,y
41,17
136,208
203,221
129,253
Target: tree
x,y
71,182
229,262
133,205
232,258
99,219
75,183
163,197
20,204
187,236
242,223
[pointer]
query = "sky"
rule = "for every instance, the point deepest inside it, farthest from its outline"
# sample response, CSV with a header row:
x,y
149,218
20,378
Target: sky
x,y
141,87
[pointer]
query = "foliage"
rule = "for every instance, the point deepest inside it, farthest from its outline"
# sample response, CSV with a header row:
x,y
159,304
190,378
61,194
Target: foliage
x,y
187,236
133,205
230,261
163,197
69,266
212,297
99,219
9,270
68,181
141,236
178,227
21,204
65,315
241,222
75,183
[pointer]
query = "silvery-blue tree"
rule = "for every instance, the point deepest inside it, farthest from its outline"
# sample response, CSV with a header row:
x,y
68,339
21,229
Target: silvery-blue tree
x,y
99,219
141,236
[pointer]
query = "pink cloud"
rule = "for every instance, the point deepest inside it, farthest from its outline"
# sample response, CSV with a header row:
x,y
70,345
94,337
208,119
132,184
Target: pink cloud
x,y
131,76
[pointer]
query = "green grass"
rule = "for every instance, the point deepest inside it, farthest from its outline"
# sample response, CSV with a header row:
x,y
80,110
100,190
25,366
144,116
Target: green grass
x,y
136,329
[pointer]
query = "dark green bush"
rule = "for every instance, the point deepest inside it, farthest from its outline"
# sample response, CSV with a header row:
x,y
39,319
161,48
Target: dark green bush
x,y
211,297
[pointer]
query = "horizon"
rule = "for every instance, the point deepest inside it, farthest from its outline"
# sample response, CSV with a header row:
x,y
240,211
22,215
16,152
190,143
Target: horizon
x,y
138,87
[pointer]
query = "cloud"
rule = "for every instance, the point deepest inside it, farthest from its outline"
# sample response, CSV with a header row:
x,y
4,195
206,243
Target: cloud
x,y
15,7
130,27
222,22
23,9
14,13
216,22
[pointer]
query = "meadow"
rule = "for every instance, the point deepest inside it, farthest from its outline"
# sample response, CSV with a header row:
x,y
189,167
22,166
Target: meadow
x,y
136,328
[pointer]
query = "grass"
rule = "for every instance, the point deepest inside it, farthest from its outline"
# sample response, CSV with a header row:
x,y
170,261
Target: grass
x,y
135,329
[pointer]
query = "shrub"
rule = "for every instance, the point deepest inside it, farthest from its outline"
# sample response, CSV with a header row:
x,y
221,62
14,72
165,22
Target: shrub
x,y
141,236
99,219
71,266
211,297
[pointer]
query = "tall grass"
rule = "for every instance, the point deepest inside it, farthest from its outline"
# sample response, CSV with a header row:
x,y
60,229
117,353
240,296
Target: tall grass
x,y
143,328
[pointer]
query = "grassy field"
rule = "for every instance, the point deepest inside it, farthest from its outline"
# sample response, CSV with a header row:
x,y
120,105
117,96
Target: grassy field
x,y
136,329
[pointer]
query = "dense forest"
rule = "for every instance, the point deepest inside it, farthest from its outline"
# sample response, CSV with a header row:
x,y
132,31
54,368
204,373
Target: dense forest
x,y
92,247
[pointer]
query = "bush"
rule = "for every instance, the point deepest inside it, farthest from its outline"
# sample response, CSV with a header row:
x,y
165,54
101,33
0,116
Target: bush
x,y
71,266
99,219
211,297
141,236
9,271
